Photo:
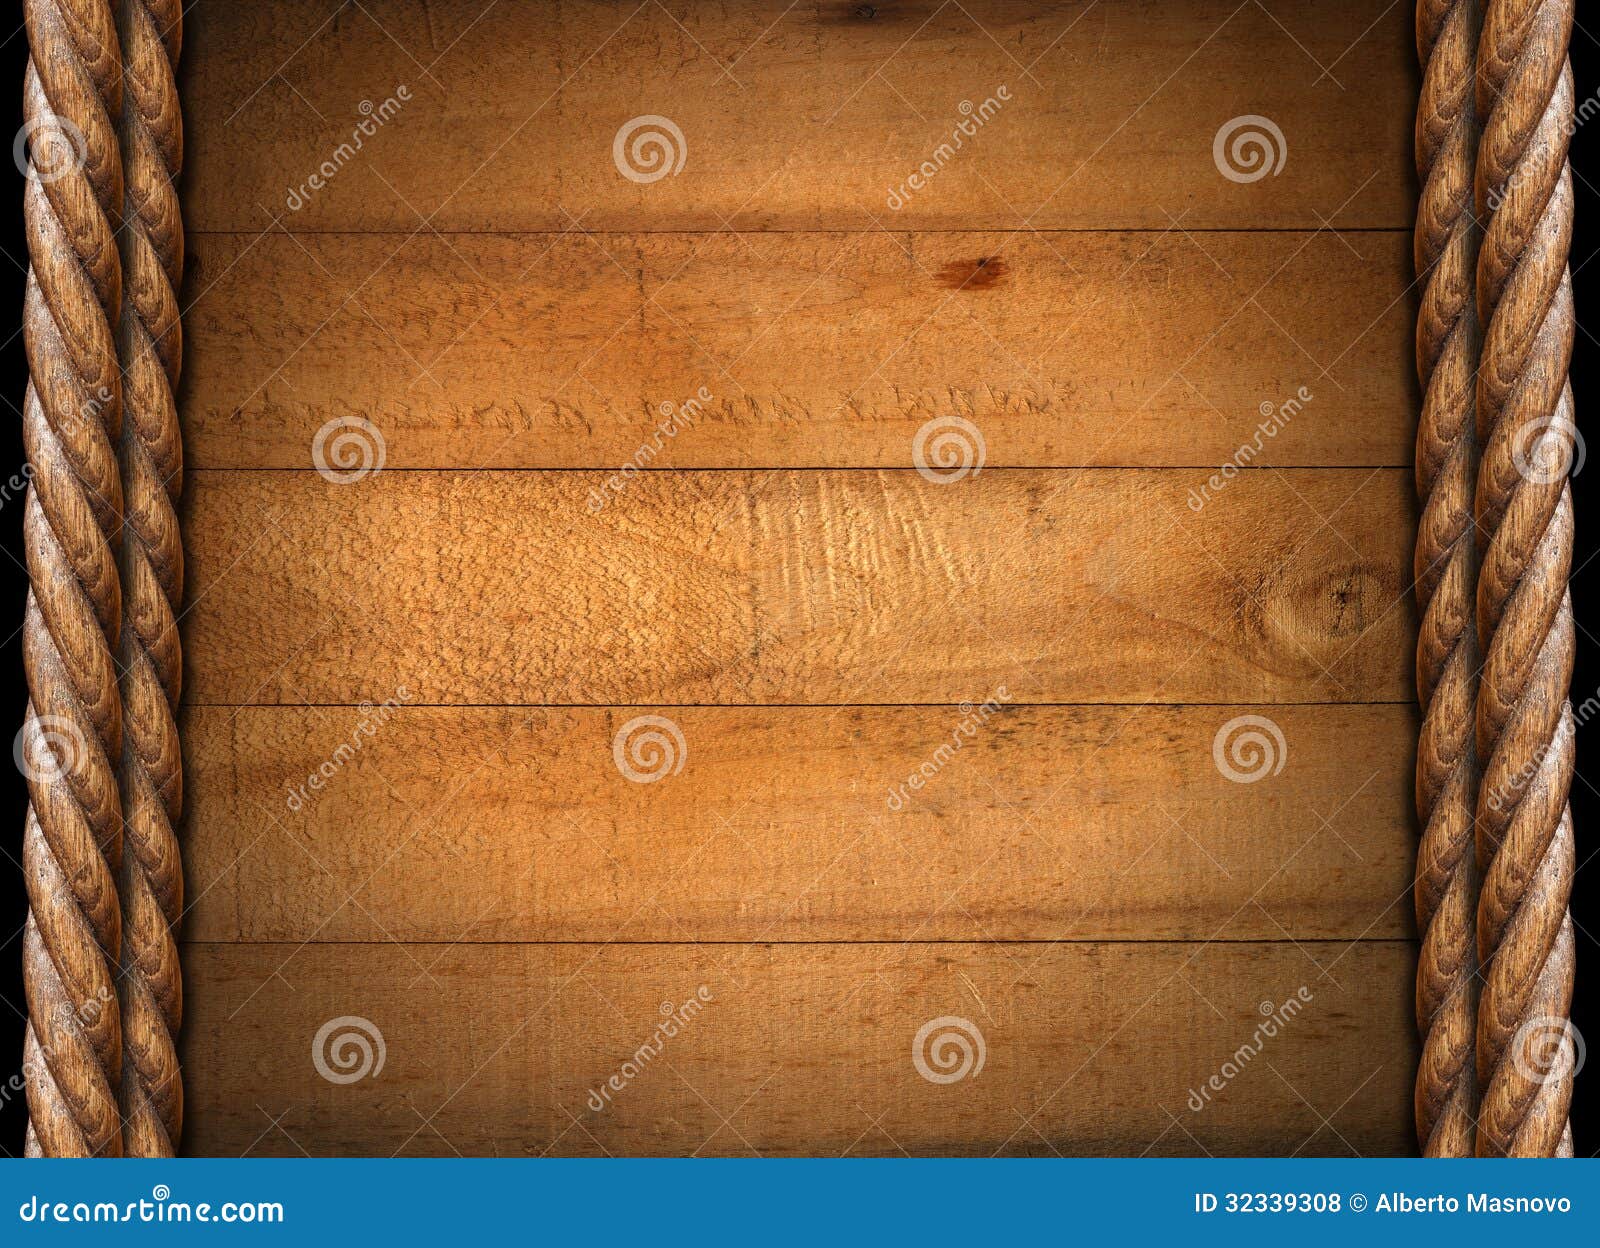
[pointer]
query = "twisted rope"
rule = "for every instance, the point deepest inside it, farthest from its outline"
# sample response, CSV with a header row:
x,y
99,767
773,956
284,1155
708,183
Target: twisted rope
x,y
1446,248
150,342
72,732
1524,514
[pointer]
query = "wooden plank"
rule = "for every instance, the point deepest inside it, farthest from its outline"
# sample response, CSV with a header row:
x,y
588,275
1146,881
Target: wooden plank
x,y
1088,1049
809,349
799,587
811,116
795,824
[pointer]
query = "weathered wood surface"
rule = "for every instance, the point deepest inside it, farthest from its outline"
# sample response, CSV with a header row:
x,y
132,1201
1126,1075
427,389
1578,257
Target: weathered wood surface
x,y
798,116
516,303
813,349
1088,1048
799,587
795,823
71,734
1527,855
1448,654
150,667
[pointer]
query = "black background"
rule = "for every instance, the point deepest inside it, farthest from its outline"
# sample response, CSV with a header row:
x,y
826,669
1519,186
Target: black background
x,y
1586,681
13,587
1586,580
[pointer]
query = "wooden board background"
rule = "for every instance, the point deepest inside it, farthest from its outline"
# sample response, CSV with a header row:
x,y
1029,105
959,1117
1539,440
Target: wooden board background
x,y
453,644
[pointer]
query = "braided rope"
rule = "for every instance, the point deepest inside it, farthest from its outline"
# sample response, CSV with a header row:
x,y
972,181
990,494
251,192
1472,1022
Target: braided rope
x,y
150,342
1524,514
72,731
1446,247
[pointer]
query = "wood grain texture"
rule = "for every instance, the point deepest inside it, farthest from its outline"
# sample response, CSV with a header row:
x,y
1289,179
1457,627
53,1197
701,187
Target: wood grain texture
x,y
795,823
1088,1049
150,347
1448,657
813,349
1527,1054
799,587
1079,881
71,734
798,116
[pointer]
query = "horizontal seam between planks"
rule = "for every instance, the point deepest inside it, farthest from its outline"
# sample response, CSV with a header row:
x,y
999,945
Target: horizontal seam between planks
x,y
820,231
771,706
1406,941
902,468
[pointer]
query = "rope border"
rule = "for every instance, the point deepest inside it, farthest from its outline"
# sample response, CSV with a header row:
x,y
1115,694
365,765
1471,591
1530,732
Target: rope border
x,y
99,746
1446,254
